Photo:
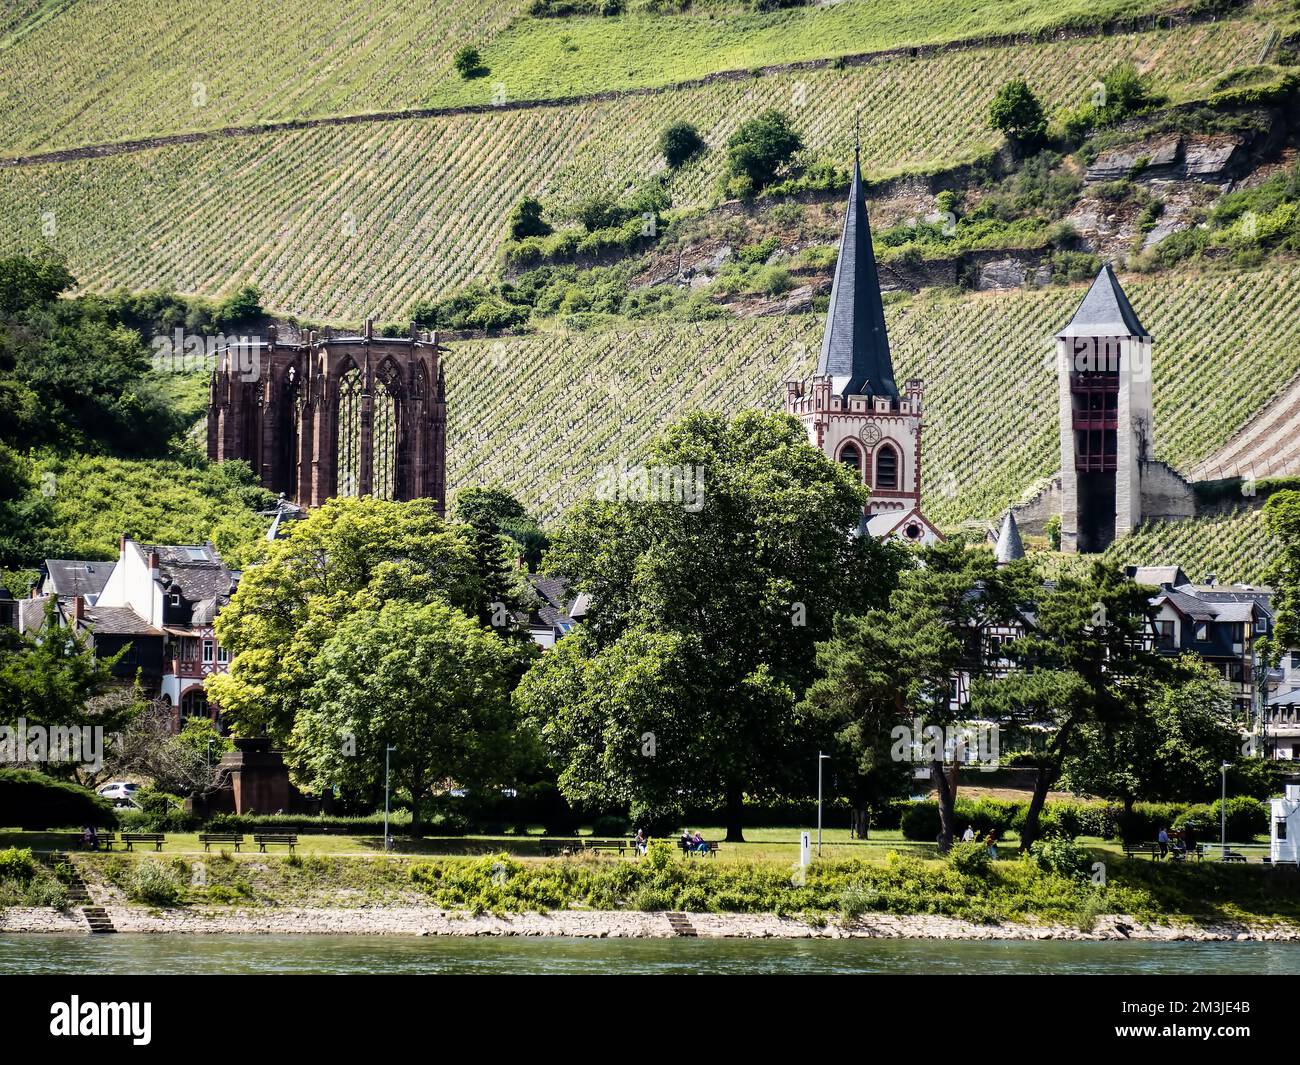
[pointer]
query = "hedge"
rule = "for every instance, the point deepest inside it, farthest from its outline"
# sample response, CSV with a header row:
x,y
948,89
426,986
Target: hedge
x,y
33,801
1246,819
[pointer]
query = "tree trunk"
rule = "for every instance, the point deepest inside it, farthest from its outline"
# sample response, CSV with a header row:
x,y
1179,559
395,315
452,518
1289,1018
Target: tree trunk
x,y
1048,770
1042,785
947,804
860,823
735,810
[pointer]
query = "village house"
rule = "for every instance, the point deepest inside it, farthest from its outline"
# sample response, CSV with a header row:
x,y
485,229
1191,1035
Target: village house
x,y
157,603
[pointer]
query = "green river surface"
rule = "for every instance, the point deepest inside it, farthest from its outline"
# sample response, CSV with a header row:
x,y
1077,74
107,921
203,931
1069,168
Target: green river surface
x,y
180,954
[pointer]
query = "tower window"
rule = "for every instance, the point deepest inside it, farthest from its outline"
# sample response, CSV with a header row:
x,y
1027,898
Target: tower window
x,y
851,457
887,468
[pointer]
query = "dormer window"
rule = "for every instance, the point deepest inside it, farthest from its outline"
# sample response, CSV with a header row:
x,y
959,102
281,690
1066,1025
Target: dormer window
x,y
175,599
1202,632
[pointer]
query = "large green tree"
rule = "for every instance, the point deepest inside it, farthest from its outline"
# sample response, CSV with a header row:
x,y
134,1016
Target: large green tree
x,y
424,679
1085,663
725,580
345,556
1171,751
897,666
1282,513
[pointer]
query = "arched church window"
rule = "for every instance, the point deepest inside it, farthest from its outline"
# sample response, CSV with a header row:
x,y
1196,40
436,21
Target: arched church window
x,y
851,457
887,468
349,434
387,427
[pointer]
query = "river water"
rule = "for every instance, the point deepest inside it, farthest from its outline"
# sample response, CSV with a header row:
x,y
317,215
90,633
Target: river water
x,y
167,954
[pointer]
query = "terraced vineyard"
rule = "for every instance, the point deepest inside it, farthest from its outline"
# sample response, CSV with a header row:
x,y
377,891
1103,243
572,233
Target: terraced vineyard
x,y
1236,547
544,413
338,222
258,61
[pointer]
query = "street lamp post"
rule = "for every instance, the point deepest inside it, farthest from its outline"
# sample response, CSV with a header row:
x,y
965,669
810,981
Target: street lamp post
x,y
820,759
1223,814
388,749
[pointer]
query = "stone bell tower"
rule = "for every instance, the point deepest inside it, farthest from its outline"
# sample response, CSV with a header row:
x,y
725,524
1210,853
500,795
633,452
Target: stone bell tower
x,y
1104,372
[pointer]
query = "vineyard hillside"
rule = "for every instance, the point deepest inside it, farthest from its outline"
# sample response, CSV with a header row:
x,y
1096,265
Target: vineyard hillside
x,y
545,413
344,221
101,70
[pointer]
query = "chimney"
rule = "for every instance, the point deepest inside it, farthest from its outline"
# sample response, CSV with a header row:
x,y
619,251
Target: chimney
x,y
153,565
370,328
78,609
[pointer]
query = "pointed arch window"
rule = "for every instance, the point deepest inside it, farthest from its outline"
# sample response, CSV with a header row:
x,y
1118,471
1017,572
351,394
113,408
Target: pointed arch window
x,y
388,410
349,434
851,457
887,468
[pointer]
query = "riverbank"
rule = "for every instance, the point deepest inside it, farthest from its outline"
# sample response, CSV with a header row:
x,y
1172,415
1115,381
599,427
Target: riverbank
x,y
420,921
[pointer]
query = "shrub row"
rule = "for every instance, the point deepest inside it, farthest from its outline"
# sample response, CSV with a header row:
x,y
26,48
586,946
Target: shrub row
x,y
1246,819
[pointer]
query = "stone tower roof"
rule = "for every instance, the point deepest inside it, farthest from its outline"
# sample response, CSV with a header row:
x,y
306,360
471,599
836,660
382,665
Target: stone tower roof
x,y
1105,311
1009,548
855,346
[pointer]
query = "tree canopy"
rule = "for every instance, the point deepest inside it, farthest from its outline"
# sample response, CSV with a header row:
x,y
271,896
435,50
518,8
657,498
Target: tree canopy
x,y
719,598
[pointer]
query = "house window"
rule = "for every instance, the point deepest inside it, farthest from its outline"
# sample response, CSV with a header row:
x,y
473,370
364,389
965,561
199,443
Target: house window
x,y
1202,632
223,655
1261,625
175,599
207,650
190,650
1165,635
1281,829
887,468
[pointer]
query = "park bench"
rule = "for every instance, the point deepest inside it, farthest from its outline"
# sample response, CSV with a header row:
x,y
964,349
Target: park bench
x,y
209,838
620,845
691,849
1153,849
129,839
275,840
103,841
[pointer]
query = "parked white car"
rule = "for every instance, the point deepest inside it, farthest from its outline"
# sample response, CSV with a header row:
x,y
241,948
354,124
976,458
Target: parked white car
x,y
121,792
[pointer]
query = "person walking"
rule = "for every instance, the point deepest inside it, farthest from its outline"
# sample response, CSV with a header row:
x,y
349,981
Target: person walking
x,y
1163,839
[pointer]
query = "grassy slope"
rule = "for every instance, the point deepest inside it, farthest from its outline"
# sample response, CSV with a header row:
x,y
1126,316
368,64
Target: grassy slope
x,y
577,402
292,60
341,222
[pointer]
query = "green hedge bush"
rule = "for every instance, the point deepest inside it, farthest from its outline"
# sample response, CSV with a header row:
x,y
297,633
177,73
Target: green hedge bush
x,y
33,801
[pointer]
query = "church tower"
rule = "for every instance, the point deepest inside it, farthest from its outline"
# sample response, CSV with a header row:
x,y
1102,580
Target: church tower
x,y
853,409
1104,372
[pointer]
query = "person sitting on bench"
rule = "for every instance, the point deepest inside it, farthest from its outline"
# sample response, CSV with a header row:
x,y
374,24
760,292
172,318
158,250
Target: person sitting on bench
x,y
90,838
697,843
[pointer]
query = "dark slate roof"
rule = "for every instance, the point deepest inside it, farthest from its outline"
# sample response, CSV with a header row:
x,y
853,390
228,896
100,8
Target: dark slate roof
x,y
197,572
1188,605
856,344
1009,546
1105,311
75,577
31,613
118,621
